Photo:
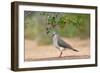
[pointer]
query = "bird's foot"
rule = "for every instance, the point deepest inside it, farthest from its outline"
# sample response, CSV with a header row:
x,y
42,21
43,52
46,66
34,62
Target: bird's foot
x,y
60,55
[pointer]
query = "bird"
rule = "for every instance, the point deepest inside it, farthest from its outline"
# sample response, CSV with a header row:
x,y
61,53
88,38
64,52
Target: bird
x,y
60,44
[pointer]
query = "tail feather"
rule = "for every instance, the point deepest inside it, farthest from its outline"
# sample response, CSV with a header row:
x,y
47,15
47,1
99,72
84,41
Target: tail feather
x,y
74,50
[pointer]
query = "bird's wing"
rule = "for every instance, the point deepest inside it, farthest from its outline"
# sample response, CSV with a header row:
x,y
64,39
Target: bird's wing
x,y
62,43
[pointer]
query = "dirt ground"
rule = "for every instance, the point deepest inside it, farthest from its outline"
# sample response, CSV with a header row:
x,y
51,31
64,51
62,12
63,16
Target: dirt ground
x,y
33,52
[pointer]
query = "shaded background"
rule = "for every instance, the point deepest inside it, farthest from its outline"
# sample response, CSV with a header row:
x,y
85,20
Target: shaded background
x,y
73,28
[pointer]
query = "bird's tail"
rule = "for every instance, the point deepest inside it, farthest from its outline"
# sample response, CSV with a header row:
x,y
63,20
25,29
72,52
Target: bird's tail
x,y
74,50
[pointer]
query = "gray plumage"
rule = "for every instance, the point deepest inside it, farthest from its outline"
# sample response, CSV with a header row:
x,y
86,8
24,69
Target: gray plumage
x,y
65,45
61,44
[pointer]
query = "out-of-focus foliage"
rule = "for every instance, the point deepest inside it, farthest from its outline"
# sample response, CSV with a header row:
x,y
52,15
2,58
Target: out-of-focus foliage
x,y
65,24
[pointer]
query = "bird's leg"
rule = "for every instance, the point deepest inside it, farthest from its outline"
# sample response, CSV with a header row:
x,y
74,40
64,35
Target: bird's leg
x,y
60,54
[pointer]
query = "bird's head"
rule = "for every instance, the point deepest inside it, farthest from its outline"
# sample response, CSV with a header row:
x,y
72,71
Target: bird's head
x,y
53,34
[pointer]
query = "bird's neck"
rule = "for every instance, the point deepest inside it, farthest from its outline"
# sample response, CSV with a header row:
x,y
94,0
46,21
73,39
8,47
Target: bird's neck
x,y
55,39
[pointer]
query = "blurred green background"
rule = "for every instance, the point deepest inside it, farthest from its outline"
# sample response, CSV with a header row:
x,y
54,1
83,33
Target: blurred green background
x,y
68,25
